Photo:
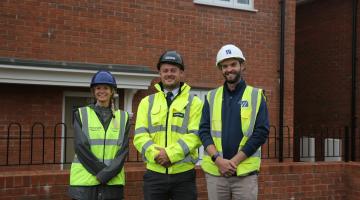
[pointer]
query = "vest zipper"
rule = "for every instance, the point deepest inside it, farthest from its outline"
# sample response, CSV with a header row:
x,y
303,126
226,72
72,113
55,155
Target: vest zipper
x,y
167,118
104,148
104,140
102,124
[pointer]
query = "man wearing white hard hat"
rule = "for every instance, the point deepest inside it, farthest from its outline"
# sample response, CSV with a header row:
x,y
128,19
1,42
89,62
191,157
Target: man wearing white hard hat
x,y
234,125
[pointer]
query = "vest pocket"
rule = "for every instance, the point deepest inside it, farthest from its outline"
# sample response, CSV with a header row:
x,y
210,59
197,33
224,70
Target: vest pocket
x,y
157,115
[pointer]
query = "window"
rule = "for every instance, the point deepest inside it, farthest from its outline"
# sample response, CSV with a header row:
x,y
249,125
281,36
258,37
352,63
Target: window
x,y
202,95
237,4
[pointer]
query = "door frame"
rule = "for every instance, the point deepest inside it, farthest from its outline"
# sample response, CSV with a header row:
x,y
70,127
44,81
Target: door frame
x,y
68,94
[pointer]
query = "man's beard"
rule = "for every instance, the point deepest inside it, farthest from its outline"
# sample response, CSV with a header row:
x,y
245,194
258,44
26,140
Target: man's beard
x,y
171,86
235,80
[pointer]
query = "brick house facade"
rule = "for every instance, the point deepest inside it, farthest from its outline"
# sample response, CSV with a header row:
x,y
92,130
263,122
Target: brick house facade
x,y
50,49
126,35
323,72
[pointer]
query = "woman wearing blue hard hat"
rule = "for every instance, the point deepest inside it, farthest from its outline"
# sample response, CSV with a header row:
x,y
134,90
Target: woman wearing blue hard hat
x,y
101,144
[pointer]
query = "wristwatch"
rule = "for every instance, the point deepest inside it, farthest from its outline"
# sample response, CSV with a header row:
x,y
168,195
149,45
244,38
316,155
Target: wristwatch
x,y
213,157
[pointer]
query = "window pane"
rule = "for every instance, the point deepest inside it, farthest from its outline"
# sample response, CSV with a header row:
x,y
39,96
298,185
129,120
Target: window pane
x,y
243,1
237,4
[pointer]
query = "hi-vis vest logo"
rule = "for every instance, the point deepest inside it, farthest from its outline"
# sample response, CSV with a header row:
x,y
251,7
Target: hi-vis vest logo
x,y
178,115
94,128
244,104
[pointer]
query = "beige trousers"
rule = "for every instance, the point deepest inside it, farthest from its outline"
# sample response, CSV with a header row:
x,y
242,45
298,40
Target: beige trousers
x,y
232,188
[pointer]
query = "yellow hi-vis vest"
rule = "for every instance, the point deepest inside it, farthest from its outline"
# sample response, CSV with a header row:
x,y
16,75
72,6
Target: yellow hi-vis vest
x,y
175,129
250,103
104,145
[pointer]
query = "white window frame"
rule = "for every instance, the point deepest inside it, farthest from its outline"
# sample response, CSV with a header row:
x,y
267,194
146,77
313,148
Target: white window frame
x,y
230,4
201,93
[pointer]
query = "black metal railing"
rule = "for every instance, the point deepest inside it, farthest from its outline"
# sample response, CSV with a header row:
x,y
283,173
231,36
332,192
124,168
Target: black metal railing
x,y
41,144
19,147
319,143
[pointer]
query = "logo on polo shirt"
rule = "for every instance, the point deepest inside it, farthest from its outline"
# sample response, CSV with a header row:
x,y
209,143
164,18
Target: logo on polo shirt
x,y
244,104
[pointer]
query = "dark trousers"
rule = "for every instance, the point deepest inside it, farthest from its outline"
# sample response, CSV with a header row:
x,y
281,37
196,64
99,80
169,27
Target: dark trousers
x,y
181,186
98,192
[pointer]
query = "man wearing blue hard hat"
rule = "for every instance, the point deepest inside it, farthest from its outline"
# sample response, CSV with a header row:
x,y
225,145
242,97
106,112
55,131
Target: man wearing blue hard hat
x,y
101,144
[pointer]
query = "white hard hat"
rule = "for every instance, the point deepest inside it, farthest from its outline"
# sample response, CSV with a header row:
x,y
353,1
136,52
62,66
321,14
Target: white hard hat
x,y
229,51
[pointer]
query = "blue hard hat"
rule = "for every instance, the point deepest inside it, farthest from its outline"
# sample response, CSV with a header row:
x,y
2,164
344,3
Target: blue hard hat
x,y
103,77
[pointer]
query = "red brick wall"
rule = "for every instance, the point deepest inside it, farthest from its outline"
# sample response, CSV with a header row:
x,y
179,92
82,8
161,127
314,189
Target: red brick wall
x,y
303,181
323,63
27,105
352,181
276,181
323,66
137,32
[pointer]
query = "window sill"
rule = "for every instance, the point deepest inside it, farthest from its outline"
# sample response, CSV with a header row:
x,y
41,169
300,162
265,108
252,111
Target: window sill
x,y
225,6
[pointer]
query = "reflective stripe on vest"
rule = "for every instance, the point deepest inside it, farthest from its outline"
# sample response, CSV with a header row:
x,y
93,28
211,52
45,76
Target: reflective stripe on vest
x,y
252,97
153,129
104,145
85,129
174,128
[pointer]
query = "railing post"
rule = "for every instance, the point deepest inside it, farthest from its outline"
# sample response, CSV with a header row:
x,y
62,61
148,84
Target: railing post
x,y
8,142
353,144
55,138
347,144
32,140
64,161
296,143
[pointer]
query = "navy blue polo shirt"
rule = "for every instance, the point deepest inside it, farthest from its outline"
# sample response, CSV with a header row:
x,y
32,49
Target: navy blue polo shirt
x,y
231,124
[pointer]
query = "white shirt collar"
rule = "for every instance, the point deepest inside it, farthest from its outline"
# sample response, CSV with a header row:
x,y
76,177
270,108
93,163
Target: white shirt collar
x,y
174,91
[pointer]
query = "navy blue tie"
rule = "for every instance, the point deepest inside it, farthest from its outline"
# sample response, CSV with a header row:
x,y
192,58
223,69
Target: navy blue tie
x,y
169,95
